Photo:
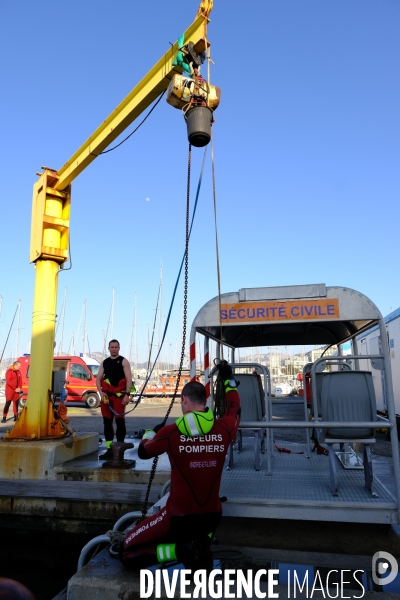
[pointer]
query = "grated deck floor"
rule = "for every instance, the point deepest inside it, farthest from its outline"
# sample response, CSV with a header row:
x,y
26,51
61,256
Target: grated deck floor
x,y
297,479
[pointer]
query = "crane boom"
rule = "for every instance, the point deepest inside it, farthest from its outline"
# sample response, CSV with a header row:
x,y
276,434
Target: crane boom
x,y
50,231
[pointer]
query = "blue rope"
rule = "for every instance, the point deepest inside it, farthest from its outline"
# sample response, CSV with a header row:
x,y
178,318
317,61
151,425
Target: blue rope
x,y
173,295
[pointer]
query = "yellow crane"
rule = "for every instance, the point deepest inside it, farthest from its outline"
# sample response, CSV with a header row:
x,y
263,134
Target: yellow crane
x,y
51,214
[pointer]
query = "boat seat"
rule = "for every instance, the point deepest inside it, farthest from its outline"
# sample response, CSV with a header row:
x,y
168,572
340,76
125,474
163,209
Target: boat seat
x,y
252,409
317,381
348,396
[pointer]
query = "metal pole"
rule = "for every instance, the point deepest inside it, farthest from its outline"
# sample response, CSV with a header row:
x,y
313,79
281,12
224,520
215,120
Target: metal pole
x,y
355,351
192,346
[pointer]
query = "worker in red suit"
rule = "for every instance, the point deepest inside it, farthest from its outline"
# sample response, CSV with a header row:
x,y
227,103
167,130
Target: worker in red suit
x,y
196,445
13,389
114,381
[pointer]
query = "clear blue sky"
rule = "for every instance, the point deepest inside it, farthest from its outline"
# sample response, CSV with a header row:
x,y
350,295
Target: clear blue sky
x,y
306,153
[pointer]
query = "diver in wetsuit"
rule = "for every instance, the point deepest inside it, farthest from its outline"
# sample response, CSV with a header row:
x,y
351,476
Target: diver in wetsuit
x,y
114,381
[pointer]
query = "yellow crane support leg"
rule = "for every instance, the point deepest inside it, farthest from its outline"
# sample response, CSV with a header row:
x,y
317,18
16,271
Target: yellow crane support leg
x,y
37,419
49,242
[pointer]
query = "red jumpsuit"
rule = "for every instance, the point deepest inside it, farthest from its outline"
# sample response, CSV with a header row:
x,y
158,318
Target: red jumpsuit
x,y
196,470
113,400
13,381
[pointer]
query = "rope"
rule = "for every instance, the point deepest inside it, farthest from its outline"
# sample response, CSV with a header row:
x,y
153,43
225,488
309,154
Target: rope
x,y
216,245
137,401
185,294
132,132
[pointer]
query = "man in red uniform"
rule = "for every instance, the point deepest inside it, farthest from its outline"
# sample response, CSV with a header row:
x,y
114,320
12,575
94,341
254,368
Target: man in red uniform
x,y
196,445
13,389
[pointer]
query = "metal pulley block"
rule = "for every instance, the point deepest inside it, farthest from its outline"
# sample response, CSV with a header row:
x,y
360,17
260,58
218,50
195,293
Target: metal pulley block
x,y
182,89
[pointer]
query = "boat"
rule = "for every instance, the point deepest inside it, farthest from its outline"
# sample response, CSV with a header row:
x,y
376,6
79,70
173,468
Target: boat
x,y
165,386
282,389
340,413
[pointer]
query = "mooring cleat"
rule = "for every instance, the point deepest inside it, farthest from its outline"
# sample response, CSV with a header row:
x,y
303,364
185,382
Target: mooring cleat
x,y
114,457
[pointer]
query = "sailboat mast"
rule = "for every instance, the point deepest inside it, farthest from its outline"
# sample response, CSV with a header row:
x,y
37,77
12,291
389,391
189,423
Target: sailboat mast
x,y
134,320
63,321
104,344
1,304
132,333
108,325
71,351
160,319
112,315
18,321
80,321
154,328
84,328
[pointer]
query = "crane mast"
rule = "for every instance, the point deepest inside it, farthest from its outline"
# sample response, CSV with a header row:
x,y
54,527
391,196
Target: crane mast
x,y
49,247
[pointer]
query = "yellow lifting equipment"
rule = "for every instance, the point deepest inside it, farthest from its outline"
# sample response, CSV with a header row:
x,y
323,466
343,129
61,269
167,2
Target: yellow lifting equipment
x,y
51,213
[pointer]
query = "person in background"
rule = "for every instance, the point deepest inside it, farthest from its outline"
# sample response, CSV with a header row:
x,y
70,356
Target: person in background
x,y
64,393
13,389
114,381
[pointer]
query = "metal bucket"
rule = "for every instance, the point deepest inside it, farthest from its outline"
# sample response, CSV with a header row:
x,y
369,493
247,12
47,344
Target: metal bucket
x,y
198,120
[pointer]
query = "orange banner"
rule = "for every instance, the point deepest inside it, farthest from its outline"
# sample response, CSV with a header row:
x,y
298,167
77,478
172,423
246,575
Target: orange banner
x,y
290,310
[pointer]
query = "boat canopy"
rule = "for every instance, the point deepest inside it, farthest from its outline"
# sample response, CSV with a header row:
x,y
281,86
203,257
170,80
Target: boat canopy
x,y
286,315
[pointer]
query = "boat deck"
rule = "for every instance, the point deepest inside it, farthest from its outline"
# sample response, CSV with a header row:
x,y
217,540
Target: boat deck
x,y
298,488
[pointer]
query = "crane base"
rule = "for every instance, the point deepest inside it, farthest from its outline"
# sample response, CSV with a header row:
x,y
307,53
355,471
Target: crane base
x,y
36,459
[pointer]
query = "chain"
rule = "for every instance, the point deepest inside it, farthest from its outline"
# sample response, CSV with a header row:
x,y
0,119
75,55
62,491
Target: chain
x,y
185,295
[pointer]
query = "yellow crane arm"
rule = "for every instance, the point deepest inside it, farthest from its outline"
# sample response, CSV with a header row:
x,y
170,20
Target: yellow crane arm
x,y
145,92
50,231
